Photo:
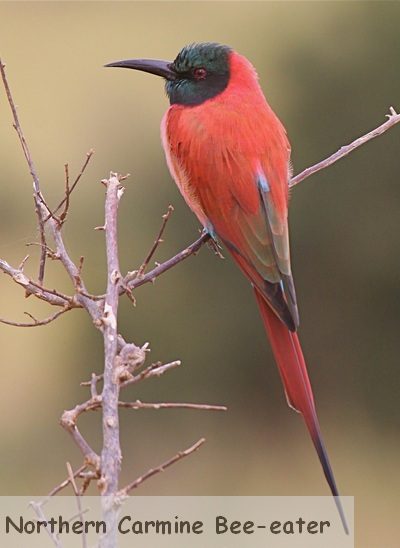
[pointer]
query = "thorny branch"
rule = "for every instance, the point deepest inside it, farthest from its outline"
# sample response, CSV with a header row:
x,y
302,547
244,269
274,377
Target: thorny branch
x,y
124,362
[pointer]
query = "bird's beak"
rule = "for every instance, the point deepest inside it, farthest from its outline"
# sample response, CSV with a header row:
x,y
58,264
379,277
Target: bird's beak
x,y
153,66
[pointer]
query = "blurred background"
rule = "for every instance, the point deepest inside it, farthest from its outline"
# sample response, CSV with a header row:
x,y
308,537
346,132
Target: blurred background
x,y
331,72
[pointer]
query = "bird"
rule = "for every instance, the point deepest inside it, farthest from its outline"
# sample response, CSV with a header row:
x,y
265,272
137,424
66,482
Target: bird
x,y
229,155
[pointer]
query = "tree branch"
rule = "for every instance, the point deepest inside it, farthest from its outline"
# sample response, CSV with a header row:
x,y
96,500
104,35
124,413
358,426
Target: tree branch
x,y
198,406
393,119
156,243
192,249
36,185
17,274
153,471
37,323
69,189
111,452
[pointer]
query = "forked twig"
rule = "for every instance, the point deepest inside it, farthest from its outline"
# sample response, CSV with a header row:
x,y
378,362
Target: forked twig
x,y
36,322
67,481
69,190
156,243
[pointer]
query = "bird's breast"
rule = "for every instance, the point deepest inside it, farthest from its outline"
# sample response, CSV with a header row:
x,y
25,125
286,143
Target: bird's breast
x,y
214,150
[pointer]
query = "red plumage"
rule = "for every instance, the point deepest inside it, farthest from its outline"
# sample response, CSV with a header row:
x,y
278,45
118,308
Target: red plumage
x,y
229,156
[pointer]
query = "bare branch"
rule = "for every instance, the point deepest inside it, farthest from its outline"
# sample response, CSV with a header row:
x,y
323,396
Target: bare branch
x,y
36,323
111,452
156,243
67,481
78,501
22,263
153,471
36,185
68,189
38,509
131,358
54,292
33,288
192,249
393,119
64,213
198,406
68,422
154,370
95,402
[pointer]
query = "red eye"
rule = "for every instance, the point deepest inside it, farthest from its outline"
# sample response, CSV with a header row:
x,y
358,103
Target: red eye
x,y
200,73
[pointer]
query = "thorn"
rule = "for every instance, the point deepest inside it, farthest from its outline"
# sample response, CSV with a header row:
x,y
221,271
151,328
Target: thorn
x,y
22,264
145,347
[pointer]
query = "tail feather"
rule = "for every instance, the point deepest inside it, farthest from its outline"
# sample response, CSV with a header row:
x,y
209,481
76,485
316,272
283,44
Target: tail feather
x,y
293,371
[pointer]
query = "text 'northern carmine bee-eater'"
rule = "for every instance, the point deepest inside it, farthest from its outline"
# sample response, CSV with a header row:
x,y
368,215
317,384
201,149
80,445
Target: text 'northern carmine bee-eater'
x,y
230,157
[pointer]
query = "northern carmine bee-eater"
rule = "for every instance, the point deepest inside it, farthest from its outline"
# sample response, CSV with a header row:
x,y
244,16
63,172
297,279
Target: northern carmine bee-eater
x,y
230,157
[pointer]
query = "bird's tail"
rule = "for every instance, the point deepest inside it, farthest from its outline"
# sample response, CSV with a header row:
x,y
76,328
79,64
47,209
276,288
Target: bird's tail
x,y
292,368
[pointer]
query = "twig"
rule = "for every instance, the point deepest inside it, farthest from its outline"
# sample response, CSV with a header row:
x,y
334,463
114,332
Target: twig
x,y
156,243
50,253
153,471
192,249
67,481
54,292
64,213
36,323
70,417
33,288
68,422
69,190
22,263
38,509
393,119
36,185
61,251
199,406
154,370
78,501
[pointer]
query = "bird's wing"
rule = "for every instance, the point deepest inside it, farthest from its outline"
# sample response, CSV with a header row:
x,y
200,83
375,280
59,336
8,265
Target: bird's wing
x,y
259,241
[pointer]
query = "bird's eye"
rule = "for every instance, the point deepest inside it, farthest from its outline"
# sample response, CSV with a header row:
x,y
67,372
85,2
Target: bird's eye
x,y
199,73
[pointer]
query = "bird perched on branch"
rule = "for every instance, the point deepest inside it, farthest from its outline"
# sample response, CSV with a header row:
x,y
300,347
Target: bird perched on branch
x,y
230,157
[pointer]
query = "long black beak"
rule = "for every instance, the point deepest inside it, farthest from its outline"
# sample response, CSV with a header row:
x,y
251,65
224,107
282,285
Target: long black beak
x,y
153,66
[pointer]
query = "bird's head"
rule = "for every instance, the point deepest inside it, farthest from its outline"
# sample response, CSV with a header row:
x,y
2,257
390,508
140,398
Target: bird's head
x,y
199,72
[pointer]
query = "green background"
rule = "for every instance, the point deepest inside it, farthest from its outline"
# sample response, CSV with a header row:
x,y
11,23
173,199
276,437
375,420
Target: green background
x,y
331,72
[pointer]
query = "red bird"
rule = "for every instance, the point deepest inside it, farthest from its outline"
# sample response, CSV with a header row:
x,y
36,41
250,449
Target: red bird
x,y
230,157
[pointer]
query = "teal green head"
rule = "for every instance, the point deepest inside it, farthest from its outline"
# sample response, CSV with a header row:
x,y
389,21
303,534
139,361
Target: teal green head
x,y
199,72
